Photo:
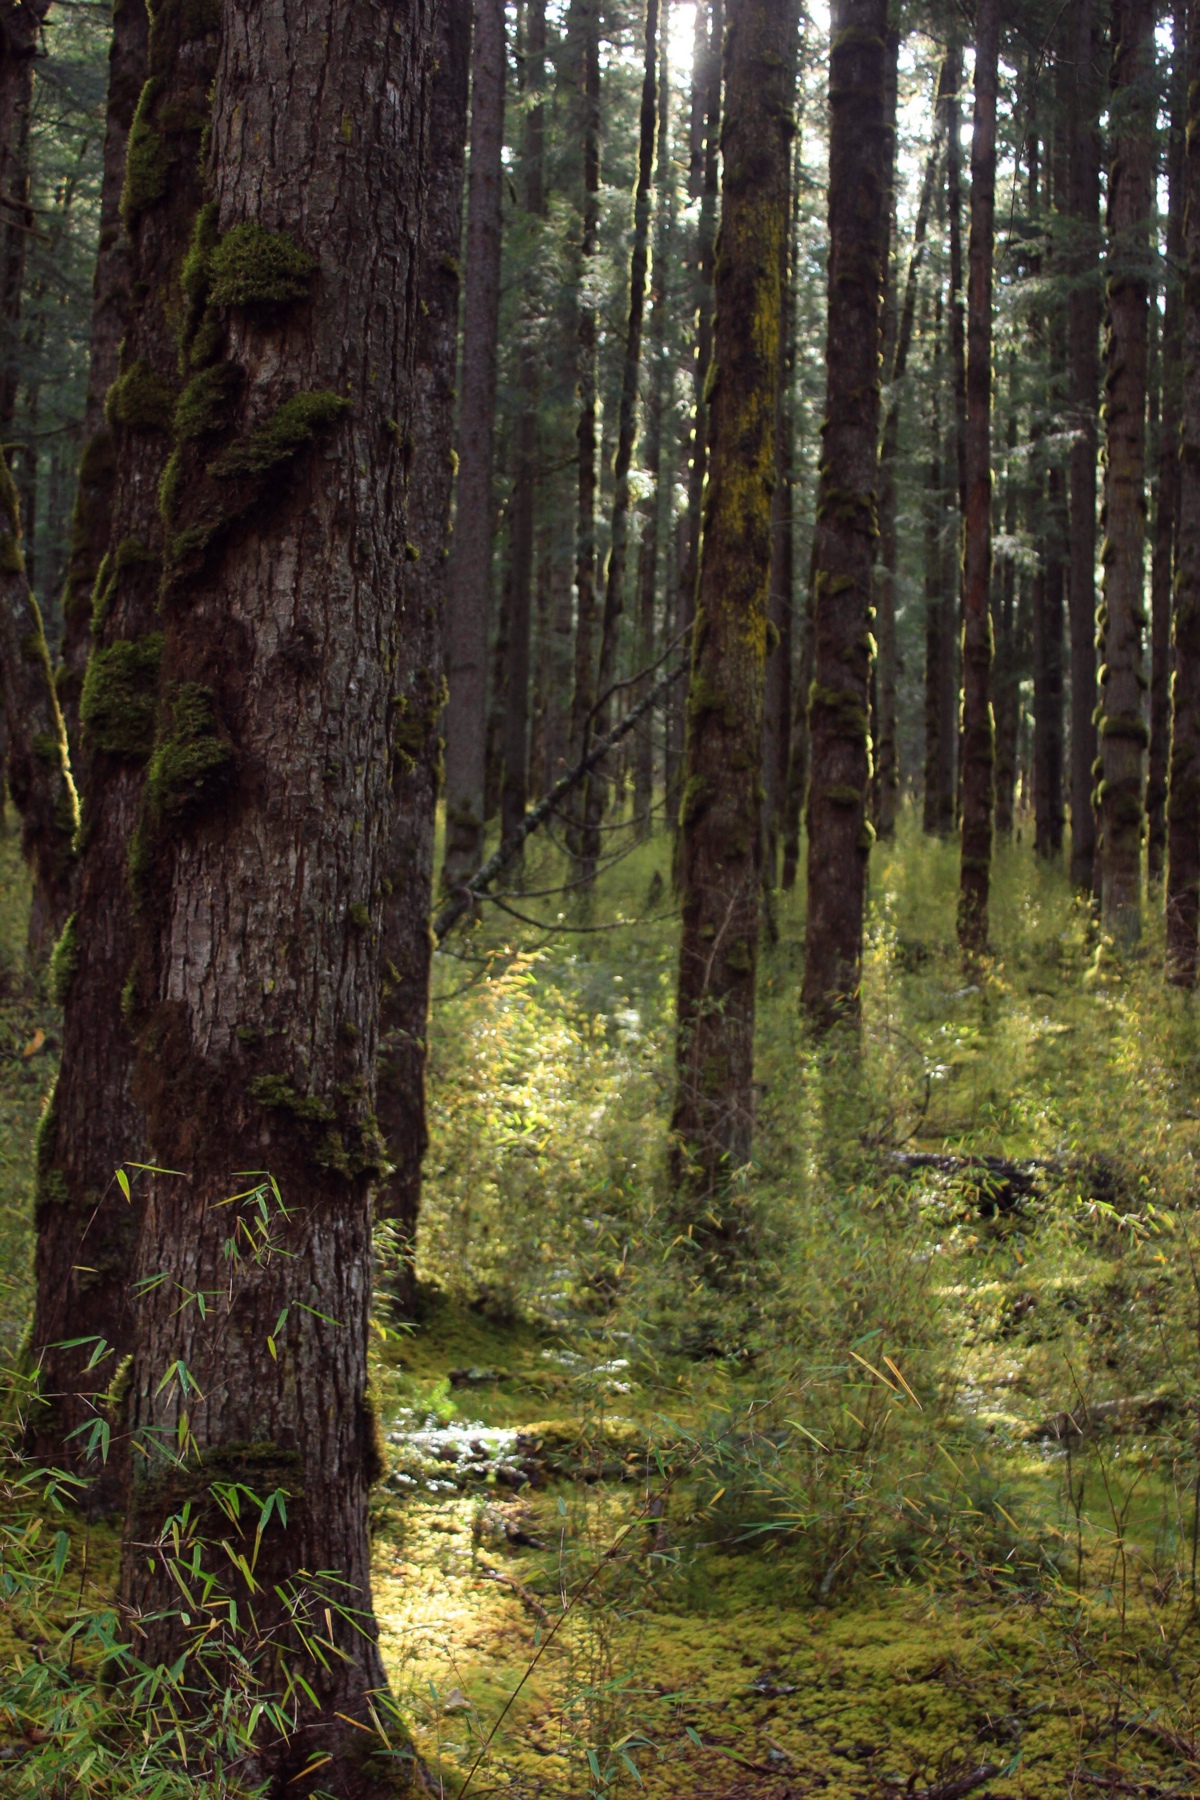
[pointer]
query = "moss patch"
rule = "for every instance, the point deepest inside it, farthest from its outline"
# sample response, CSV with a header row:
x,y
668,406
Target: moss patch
x,y
117,705
253,267
290,429
191,760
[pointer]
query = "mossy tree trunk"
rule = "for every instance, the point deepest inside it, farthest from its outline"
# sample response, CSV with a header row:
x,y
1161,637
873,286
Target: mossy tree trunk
x,y
264,840
415,748
839,831
978,736
779,698
21,24
110,313
703,179
720,849
657,501
1183,799
514,781
1084,381
618,554
470,591
87,1232
1123,729
1166,486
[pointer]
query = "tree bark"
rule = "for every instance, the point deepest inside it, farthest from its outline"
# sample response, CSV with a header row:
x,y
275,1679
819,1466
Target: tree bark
x,y
1166,501
1083,354
87,1231
21,24
888,772
1007,675
937,623
1123,731
884,771
703,185
614,577
720,847
469,598
263,842
799,753
978,739
657,501
415,750
778,698
839,832
1183,801
110,312
515,779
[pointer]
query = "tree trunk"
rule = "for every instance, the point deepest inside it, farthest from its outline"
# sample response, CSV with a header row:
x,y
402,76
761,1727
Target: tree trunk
x,y
1183,801
1007,681
937,624
705,176
110,313
949,84
778,702
1167,477
1123,731
884,771
584,35
657,500
839,832
515,779
267,821
405,943
86,1230
713,1119
1083,352
614,580
20,30
978,741
888,772
469,596
799,755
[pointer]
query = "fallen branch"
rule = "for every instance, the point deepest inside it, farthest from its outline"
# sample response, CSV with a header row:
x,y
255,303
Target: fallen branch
x,y
524,1594
462,899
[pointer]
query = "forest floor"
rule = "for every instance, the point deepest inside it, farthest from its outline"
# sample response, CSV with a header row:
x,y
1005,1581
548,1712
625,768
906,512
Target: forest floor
x,y
910,1506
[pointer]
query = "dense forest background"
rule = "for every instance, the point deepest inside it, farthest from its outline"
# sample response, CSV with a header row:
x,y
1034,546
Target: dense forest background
x,y
599,898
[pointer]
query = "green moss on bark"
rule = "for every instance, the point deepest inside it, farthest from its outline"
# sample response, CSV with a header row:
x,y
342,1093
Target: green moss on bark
x,y
140,399
290,429
117,705
253,267
191,760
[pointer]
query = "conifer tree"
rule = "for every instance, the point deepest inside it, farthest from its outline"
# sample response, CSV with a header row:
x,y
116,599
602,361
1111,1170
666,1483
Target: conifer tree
x,y
1183,800
713,1118
839,831
1123,730
469,599
262,838
978,738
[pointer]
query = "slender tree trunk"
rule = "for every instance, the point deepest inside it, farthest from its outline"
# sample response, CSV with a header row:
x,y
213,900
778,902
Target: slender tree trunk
x,y
515,779
1166,505
839,832
418,691
713,1119
1123,731
705,176
950,84
888,773
936,602
1083,355
1183,801
778,699
469,597
585,21
110,312
884,767
267,821
1007,670
614,580
20,31
978,739
799,756
87,1232
656,504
